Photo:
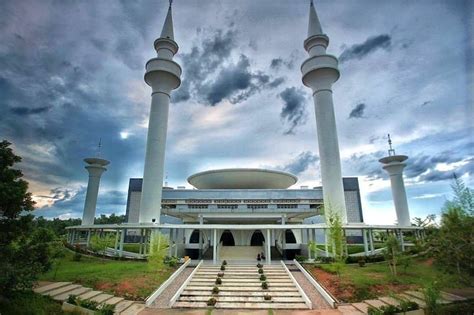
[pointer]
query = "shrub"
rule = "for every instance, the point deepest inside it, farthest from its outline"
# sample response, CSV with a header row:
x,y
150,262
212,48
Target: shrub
x,y
406,306
211,302
87,304
106,309
361,262
218,280
220,275
71,299
260,270
222,267
264,285
171,261
267,297
300,258
224,262
215,290
263,277
432,294
374,311
327,260
259,265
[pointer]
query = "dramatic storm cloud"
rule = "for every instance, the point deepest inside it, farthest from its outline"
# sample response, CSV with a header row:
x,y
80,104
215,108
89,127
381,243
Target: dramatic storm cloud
x,y
293,111
358,111
359,51
71,73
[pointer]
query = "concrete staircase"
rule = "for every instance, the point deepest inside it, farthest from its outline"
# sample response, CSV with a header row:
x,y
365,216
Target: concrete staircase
x,y
60,291
241,289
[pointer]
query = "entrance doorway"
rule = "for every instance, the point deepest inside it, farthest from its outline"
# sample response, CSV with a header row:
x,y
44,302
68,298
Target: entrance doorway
x,y
257,238
227,238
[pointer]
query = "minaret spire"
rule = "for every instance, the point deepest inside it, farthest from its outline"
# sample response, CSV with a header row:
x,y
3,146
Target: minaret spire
x,y
314,26
167,31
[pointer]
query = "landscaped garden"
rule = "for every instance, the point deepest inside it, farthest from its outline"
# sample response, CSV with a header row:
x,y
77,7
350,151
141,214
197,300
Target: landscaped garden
x,y
352,283
131,279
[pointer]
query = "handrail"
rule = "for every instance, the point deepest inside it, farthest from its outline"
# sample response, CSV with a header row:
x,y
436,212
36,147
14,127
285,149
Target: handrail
x,y
165,284
325,294
303,294
183,286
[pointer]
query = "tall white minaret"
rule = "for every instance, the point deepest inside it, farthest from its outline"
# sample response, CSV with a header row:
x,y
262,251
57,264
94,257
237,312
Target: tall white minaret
x,y
319,73
95,166
394,166
163,75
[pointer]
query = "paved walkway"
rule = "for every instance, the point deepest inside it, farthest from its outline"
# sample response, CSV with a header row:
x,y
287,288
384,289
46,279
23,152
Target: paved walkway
x,y
60,291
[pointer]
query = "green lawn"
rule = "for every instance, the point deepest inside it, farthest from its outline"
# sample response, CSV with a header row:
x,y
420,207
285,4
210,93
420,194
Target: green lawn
x,y
353,248
30,303
131,247
132,279
357,283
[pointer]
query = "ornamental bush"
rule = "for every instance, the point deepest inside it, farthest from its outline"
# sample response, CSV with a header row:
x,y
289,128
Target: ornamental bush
x,y
264,285
222,267
260,270
211,302
263,277
218,280
215,290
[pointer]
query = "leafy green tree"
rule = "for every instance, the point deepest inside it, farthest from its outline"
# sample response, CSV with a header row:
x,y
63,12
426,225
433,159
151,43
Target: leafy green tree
x,y
24,252
313,249
429,221
452,244
159,244
392,253
336,234
99,244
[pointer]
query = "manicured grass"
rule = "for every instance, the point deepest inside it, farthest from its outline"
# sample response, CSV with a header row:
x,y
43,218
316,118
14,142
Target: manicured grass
x,y
354,248
131,279
357,283
30,303
131,247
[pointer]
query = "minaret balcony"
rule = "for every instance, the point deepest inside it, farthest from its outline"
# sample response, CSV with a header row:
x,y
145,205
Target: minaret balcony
x,y
320,71
166,43
162,74
316,40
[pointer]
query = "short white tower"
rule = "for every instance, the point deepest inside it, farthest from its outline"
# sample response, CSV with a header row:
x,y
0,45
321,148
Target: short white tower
x,y
319,73
394,166
163,75
95,167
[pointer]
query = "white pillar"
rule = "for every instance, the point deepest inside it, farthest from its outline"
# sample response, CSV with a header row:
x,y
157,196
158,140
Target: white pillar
x,y
163,75
371,240
394,166
122,240
366,245
269,249
95,167
320,71
214,246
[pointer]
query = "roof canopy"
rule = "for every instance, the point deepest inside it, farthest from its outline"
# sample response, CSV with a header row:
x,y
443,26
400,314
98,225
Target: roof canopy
x,y
242,178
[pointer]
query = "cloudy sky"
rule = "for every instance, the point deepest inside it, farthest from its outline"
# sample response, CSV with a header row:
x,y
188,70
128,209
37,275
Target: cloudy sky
x,y
71,72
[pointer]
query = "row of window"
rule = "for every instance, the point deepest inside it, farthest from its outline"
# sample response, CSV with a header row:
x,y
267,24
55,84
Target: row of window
x,y
258,206
209,201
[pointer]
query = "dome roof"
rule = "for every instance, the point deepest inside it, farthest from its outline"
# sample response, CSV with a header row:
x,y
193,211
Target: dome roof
x,y
242,178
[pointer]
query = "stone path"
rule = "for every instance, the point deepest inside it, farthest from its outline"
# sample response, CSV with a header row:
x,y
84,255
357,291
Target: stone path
x,y
414,296
241,289
60,291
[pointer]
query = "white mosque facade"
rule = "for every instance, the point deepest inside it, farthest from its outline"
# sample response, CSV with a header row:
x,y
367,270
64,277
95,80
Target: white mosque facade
x,y
236,213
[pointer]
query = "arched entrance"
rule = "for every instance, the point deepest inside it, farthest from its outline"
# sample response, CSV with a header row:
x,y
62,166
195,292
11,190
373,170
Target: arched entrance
x,y
257,238
290,237
227,238
194,238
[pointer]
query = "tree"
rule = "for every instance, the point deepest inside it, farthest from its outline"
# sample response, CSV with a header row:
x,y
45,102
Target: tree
x,y
429,221
452,244
336,234
24,252
99,244
392,253
159,244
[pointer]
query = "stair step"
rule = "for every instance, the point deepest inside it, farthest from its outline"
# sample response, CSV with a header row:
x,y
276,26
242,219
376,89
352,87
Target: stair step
x,y
133,309
50,287
270,288
63,297
62,290
89,295
253,299
101,297
242,305
188,292
121,306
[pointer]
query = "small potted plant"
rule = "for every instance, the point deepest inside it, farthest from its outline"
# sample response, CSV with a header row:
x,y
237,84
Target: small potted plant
x,y
259,265
361,262
215,290
222,268
224,262
211,302
263,277
264,285
260,270
267,297
218,280
220,274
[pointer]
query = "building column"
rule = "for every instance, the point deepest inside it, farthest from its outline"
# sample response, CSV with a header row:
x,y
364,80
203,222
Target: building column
x,y
214,246
402,241
171,241
116,242
326,249
269,249
366,245
122,240
88,241
371,240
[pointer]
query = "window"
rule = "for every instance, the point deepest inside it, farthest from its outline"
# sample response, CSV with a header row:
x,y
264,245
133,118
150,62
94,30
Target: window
x,y
288,206
227,206
257,206
197,206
